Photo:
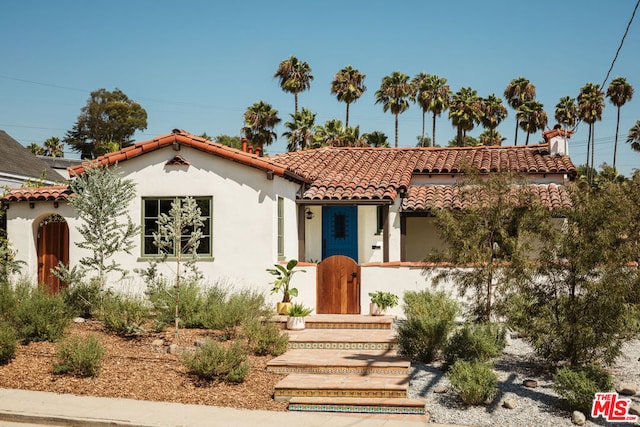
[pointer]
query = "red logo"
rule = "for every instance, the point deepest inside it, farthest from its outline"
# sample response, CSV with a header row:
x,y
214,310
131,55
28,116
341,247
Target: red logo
x,y
611,408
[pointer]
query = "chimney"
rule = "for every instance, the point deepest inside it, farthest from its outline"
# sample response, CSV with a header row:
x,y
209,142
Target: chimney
x,y
258,151
250,149
558,138
244,144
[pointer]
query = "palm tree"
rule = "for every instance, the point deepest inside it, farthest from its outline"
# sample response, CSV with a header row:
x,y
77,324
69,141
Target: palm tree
x,y
300,130
332,134
432,94
376,139
566,112
260,121
352,137
532,118
590,106
348,85
54,147
464,112
634,137
619,92
516,93
295,76
394,95
491,137
35,148
493,112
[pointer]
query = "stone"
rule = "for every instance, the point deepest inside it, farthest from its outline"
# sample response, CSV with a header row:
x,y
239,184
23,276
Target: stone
x,y
173,349
199,343
627,389
440,389
529,383
509,403
157,343
78,320
578,418
634,409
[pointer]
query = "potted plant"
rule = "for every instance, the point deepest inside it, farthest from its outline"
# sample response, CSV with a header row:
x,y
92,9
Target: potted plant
x,y
281,284
381,301
297,314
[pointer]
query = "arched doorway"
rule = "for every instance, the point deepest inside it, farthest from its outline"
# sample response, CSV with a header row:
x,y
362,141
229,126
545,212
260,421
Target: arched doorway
x,y
52,248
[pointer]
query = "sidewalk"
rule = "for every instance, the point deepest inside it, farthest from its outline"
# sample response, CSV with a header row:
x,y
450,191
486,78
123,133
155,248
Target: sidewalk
x,y
85,411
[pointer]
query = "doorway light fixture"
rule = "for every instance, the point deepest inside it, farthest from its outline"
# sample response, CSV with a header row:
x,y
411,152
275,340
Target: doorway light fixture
x,y
308,214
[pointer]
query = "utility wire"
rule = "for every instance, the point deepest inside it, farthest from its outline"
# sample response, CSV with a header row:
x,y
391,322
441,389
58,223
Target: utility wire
x,y
620,46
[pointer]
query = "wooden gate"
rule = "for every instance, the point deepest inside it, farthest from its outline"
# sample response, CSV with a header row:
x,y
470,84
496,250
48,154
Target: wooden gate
x,y
338,286
53,247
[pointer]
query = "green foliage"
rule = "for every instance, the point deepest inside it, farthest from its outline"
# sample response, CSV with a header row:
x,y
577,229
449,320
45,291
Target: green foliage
x,y
107,118
283,279
8,299
494,234
102,204
578,385
123,314
82,298
8,342
476,342
430,319
8,262
475,382
384,300
583,305
299,310
225,310
264,337
163,299
214,360
79,356
38,316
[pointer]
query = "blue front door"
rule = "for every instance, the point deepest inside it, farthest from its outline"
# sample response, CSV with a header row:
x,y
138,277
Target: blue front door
x,y
340,231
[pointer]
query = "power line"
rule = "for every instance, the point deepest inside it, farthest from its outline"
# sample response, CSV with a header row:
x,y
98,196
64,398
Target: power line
x,y
620,46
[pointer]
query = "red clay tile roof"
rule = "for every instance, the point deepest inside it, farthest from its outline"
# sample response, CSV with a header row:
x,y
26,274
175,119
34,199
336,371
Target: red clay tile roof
x,y
381,173
187,139
26,194
422,198
548,134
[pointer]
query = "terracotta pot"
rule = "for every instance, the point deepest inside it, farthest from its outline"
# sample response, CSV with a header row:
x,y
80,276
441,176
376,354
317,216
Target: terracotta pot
x,y
283,307
375,310
295,323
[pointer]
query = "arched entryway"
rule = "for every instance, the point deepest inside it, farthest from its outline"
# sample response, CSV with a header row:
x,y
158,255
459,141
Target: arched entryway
x,y
338,286
52,248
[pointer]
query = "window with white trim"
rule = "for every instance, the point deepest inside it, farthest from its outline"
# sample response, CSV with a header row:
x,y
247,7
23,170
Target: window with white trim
x,y
152,207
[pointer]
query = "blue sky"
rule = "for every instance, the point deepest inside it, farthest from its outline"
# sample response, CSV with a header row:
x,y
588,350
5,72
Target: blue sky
x,y
198,65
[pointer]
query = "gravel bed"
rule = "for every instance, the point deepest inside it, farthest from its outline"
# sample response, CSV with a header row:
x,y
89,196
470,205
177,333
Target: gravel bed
x,y
534,406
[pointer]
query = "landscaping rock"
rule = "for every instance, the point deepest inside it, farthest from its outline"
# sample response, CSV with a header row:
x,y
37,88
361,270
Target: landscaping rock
x,y
634,409
173,349
509,404
199,343
78,320
440,389
529,383
627,389
578,418
157,343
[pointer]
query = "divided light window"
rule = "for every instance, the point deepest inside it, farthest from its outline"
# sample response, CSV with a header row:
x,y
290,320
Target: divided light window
x,y
153,207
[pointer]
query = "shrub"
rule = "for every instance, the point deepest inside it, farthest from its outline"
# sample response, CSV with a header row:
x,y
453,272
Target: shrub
x,y
430,319
7,299
226,311
578,385
8,343
123,314
475,382
265,337
81,357
38,316
213,360
82,298
163,299
479,341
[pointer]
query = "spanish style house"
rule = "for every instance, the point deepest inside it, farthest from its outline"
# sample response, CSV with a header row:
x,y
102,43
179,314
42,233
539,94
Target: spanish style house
x,y
369,206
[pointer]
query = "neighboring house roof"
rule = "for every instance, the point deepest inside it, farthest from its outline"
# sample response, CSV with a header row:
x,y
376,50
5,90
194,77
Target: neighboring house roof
x,y
383,173
16,160
50,193
421,198
181,137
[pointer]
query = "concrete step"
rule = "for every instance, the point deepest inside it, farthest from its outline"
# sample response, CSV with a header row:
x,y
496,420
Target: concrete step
x,y
340,362
358,405
344,321
353,386
344,339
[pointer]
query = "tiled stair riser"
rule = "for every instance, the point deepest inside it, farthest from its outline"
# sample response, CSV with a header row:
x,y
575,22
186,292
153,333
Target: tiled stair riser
x,y
343,345
286,394
323,325
356,409
339,370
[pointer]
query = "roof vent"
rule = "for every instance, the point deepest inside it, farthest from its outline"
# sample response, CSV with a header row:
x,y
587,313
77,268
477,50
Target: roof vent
x,y
176,131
